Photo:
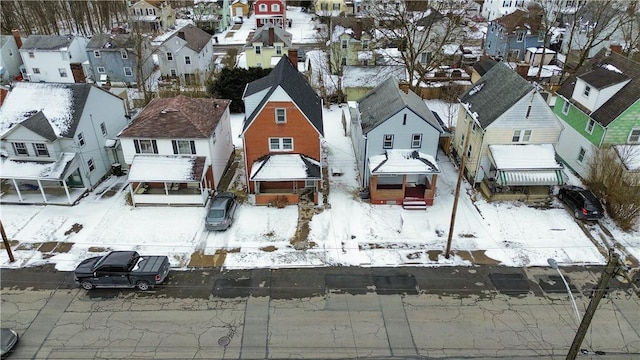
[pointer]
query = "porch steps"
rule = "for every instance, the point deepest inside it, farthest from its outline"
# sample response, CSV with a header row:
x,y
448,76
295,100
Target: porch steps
x,y
414,204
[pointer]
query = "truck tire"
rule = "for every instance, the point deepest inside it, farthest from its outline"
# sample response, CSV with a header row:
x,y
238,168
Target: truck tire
x,y
87,285
143,285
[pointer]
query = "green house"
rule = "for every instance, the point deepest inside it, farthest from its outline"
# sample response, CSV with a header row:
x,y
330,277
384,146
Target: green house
x,y
598,107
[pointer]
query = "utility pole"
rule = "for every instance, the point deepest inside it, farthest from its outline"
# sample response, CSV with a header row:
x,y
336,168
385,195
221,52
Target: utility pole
x,y
609,272
7,245
457,193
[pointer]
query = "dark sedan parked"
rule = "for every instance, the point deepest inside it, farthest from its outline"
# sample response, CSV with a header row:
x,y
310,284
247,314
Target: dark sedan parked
x,y
584,204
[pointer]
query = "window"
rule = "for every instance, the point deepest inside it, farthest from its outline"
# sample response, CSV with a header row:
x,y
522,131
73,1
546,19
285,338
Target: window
x,y
541,36
344,43
41,149
275,7
365,44
634,137
20,149
344,60
281,116
145,146
91,165
173,72
123,54
587,90
461,141
469,151
324,6
103,128
565,107
278,50
590,125
424,57
521,136
416,140
36,70
514,54
280,144
101,69
263,7
187,60
520,37
183,146
81,139
581,155
127,71
63,72
32,55
258,49
169,56
387,142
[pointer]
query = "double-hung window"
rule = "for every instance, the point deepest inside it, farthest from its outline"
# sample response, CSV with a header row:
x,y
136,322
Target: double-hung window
x,y
587,90
634,136
565,107
41,149
281,116
96,53
387,141
280,144
521,136
590,125
169,56
91,165
581,154
184,147
20,149
81,141
187,60
520,37
123,54
103,128
145,146
127,71
416,140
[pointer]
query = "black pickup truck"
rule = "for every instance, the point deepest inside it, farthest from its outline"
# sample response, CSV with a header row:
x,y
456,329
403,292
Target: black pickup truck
x,y
122,269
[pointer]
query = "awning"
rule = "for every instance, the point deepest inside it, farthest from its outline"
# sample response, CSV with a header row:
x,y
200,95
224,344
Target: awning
x,y
285,167
530,177
158,168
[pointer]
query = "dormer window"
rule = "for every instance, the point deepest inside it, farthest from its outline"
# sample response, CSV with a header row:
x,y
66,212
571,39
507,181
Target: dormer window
x,y
263,7
587,90
275,7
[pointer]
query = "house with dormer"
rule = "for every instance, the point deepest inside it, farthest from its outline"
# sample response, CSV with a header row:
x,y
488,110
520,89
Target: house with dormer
x,y
507,133
508,37
267,46
395,138
212,16
116,57
598,107
352,42
177,150
186,55
54,58
57,141
152,16
282,137
270,12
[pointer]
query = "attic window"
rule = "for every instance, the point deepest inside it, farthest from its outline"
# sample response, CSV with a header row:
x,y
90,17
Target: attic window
x,y
96,53
123,54
344,44
365,44
31,54
587,90
263,7
520,37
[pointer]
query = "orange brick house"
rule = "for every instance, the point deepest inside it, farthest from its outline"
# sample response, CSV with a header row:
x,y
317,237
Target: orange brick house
x,y
282,135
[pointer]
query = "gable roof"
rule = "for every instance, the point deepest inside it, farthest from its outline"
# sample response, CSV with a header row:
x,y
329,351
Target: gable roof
x,y
605,70
39,124
520,20
47,42
111,42
262,35
178,117
497,91
387,99
287,77
195,37
61,104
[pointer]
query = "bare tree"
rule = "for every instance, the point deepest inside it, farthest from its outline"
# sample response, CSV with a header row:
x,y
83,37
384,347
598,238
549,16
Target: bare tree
x,y
419,31
631,29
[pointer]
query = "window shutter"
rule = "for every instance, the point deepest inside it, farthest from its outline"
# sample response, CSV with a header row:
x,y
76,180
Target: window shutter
x,y
175,146
155,146
136,143
193,146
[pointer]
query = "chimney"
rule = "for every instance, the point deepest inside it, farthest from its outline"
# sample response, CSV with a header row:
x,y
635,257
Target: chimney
x,y
404,86
523,70
272,35
16,36
293,57
616,48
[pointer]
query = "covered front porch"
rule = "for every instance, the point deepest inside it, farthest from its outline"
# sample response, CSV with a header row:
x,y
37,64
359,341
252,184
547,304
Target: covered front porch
x,y
170,180
284,179
30,182
524,173
405,177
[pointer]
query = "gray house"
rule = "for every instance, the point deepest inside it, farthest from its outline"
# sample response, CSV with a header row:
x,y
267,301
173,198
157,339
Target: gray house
x,y
510,36
10,60
187,54
116,58
395,138
57,141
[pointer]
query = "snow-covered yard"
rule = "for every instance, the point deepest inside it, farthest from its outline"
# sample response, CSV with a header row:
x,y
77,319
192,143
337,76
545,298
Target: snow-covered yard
x,y
350,232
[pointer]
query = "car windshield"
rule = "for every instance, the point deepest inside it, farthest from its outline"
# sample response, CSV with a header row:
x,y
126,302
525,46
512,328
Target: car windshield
x,y
216,214
95,266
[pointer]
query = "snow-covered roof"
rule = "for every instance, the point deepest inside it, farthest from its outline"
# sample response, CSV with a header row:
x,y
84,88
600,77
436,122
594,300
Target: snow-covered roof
x,y
285,167
524,157
169,168
540,50
370,76
403,161
11,169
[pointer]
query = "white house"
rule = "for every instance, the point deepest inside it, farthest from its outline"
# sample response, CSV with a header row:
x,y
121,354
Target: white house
x,y
177,150
54,58
57,140
187,54
10,60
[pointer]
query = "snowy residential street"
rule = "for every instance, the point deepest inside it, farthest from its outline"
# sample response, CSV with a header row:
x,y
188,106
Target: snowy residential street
x,y
348,232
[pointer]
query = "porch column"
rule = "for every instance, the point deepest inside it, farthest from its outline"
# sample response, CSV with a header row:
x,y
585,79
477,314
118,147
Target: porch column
x,y
15,185
132,193
66,190
166,189
44,196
